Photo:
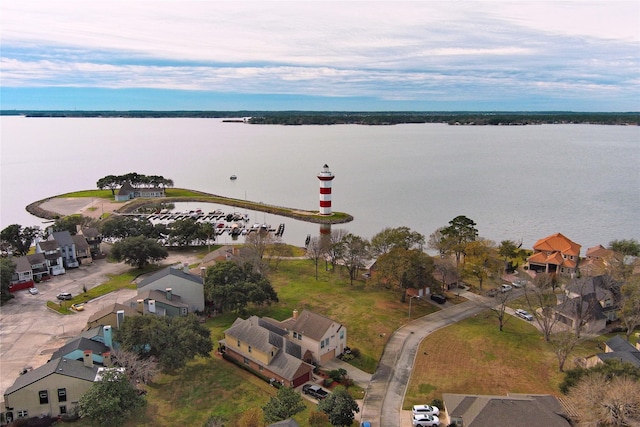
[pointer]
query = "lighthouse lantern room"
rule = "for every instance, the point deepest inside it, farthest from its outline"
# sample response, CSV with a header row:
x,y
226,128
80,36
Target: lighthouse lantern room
x,y
325,178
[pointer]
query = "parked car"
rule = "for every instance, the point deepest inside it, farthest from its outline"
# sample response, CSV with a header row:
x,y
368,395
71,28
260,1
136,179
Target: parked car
x,y
78,306
425,409
524,314
440,299
64,296
506,288
425,420
315,391
33,291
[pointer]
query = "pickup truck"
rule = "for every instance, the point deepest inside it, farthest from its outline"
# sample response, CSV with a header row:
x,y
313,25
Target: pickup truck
x,y
314,391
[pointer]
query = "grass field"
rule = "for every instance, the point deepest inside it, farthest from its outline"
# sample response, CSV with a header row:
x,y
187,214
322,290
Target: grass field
x,y
474,357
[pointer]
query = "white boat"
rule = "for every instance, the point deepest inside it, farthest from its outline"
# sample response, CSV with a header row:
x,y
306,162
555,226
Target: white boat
x,y
233,177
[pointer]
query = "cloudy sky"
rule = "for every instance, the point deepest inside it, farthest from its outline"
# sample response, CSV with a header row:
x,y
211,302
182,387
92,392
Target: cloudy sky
x,y
312,55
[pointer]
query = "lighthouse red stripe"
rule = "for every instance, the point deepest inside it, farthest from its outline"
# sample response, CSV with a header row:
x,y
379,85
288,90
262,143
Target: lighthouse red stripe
x,y
325,204
325,190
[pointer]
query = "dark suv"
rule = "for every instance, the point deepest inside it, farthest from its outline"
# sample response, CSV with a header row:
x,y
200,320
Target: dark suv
x,y
440,299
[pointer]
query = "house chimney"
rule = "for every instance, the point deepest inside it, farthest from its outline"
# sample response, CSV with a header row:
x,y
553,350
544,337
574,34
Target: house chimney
x,y
152,306
108,336
88,358
119,318
168,290
295,313
106,359
140,306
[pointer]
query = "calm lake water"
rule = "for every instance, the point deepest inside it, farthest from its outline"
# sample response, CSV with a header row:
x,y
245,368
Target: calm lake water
x,y
518,182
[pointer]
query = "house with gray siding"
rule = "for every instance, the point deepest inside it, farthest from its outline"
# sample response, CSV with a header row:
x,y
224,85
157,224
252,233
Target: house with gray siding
x,y
188,287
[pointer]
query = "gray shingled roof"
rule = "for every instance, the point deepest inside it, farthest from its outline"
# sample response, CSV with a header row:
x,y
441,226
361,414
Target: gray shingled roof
x,y
63,238
60,366
48,245
285,423
80,242
80,343
36,258
22,263
250,332
170,271
618,343
516,410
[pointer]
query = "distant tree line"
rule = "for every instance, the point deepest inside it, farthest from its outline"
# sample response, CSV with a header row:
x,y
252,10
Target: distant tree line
x,y
366,118
135,179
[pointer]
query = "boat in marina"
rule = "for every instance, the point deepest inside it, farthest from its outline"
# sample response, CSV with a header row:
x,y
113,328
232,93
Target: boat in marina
x,y
233,177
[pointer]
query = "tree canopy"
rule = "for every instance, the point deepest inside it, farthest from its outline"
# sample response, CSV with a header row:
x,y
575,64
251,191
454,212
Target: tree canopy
x,y
110,400
340,407
7,269
138,251
231,287
400,237
18,240
171,340
626,247
122,226
402,269
135,179
285,404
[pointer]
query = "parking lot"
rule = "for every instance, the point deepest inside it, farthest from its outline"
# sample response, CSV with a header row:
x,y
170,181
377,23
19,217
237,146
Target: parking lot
x,y
30,332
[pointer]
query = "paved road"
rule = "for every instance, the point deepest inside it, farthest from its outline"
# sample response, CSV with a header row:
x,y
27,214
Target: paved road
x,y
383,401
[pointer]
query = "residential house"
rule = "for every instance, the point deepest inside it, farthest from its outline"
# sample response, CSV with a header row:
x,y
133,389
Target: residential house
x,y
289,422
599,286
93,239
616,348
469,410
266,350
39,267
83,251
159,303
23,276
128,192
80,348
580,314
52,389
189,287
113,314
52,255
555,254
598,261
67,248
321,338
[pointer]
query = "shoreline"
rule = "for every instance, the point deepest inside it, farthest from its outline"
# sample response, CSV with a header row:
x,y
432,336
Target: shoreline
x,y
37,209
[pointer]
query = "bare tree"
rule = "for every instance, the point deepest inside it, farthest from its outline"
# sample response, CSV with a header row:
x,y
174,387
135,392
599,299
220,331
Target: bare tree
x,y
563,344
602,401
542,303
277,252
257,244
315,251
481,260
139,370
444,268
500,309
356,251
335,247
581,300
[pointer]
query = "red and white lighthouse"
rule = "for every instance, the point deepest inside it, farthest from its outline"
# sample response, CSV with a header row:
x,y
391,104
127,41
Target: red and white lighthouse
x,y
325,178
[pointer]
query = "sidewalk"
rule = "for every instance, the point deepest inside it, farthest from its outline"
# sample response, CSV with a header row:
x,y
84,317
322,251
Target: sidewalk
x,y
359,377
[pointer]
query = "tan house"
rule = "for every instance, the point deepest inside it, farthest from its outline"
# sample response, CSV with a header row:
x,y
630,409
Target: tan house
x,y
52,389
321,338
597,261
555,254
616,348
265,349
113,314
469,410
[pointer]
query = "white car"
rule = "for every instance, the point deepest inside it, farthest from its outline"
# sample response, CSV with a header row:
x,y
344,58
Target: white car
x,y
425,420
425,409
506,288
524,314
33,291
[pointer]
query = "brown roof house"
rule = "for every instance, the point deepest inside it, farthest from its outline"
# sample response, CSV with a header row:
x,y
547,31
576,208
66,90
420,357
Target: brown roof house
x,y
265,349
113,314
468,410
53,256
176,284
555,254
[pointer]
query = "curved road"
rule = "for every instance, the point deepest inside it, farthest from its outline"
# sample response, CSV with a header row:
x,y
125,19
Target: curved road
x,y
382,404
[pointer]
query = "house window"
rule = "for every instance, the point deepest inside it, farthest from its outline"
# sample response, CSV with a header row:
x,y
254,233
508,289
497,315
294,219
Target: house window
x,y
238,343
246,361
260,368
249,349
299,336
23,414
341,335
63,409
44,397
62,395
322,344
295,335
